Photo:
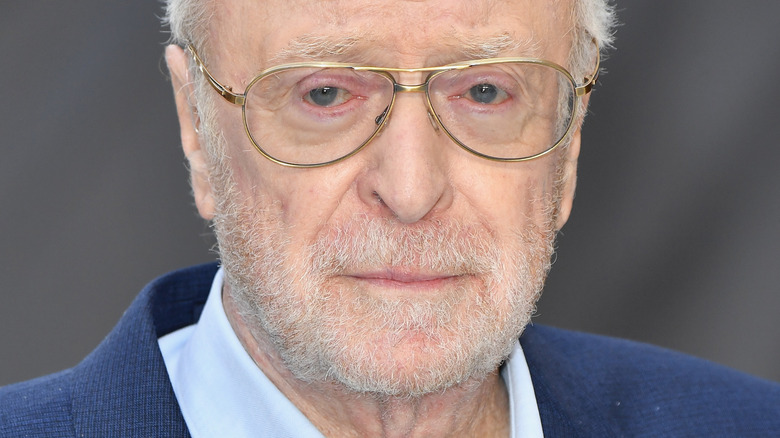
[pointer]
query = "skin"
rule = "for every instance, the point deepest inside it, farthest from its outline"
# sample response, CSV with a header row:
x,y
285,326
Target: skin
x,y
410,173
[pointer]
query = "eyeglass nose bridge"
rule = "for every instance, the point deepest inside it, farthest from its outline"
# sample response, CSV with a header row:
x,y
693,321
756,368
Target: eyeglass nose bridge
x,y
418,88
403,88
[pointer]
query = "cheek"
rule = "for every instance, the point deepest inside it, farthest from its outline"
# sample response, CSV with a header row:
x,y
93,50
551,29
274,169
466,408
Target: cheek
x,y
513,196
305,200
316,197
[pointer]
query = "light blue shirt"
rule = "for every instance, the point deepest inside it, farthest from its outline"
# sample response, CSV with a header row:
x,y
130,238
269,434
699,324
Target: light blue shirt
x,y
222,392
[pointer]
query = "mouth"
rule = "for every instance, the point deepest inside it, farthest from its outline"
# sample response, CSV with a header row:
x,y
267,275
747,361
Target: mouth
x,y
406,279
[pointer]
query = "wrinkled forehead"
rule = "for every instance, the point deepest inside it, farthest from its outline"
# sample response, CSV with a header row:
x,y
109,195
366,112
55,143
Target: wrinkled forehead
x,y
401,33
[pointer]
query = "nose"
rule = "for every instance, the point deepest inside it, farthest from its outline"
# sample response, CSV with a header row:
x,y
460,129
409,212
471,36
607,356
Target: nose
x,y
407,176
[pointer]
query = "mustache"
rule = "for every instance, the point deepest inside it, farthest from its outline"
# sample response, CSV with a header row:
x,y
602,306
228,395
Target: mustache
x,y
447,246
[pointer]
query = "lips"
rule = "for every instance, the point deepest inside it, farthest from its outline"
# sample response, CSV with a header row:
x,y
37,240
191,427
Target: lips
x,y
396,278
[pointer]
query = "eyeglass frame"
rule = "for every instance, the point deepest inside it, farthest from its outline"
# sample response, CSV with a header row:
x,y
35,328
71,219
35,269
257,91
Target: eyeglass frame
x,y
227,93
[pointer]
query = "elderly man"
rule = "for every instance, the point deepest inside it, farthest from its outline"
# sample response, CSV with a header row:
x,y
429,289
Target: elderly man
x,y
385,180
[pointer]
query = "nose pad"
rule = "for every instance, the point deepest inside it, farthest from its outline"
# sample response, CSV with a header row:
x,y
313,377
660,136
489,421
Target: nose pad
x,y
433,121
381,117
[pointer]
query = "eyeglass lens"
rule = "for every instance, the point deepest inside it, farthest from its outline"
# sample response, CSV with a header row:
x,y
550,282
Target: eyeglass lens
x,y
504,110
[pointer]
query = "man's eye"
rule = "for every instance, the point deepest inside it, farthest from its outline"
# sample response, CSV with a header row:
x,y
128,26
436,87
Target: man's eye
x,y
327,96
487,94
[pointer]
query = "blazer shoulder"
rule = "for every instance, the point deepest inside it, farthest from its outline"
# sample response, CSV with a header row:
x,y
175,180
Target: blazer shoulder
x,y
122,387
40,407
644,390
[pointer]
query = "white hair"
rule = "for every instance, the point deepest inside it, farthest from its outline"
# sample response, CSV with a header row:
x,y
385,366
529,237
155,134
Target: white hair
x,y
594,20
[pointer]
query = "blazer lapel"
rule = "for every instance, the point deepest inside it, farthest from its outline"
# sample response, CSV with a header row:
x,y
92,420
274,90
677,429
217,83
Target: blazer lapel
x,y
562,394
122,388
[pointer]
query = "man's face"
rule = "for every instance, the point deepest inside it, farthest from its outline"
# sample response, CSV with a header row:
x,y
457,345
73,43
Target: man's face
x,y
413,265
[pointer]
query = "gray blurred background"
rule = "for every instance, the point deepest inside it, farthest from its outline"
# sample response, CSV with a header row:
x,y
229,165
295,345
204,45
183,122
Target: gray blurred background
x,y
674,238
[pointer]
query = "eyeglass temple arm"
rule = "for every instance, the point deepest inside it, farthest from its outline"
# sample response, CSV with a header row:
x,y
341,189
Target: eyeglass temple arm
x,y
238,99
223,90
590,81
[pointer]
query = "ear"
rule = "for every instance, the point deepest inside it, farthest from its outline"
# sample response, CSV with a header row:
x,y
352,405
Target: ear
x,y
188,125
569,179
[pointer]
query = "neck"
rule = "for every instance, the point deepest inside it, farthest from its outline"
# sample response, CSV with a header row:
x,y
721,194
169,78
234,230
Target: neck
x,y
473,408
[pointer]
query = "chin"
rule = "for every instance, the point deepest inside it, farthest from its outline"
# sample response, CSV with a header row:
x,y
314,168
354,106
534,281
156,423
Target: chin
x,y
403,347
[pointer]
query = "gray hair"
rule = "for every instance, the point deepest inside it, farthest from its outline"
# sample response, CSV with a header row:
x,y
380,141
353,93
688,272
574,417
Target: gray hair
x,y
594,20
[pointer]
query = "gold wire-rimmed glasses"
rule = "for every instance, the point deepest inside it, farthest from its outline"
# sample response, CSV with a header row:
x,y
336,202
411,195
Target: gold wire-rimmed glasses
x,y
313,114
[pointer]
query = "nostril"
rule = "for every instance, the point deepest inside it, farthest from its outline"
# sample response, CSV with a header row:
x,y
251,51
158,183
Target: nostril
x,y
378,198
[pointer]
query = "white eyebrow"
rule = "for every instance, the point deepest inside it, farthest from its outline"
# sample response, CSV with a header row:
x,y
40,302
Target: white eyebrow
x,y
494,46
318,47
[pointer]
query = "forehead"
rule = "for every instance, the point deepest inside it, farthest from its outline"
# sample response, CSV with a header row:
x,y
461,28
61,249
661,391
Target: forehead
x,y
403,33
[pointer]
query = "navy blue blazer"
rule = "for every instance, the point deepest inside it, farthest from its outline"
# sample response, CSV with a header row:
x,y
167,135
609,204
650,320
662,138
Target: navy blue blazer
x,y
586,386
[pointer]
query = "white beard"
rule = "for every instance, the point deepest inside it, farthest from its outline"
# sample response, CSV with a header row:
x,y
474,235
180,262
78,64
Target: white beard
x,y
327,327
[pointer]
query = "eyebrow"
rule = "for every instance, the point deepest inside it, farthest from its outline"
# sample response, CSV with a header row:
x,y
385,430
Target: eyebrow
x,y
315,48
496,45
347,48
